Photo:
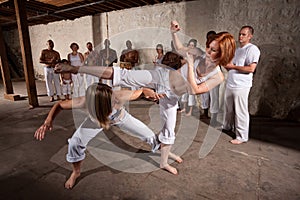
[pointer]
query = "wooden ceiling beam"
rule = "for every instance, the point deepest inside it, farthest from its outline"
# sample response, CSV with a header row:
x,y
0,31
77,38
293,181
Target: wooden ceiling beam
x,y
145,2
115,5
134,3
39,12
8,18
124,3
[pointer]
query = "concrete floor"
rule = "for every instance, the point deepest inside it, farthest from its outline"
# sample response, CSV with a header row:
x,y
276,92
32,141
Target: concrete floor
x,y
267,167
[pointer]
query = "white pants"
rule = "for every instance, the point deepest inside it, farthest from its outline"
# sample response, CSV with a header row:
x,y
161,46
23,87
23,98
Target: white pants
x,y
66,87
78,85
236,114
107,82
49,77
89,80
189,99
159,80
211,100
88,130
168,113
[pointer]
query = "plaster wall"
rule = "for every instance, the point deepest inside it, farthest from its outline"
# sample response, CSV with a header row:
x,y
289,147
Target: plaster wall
x,y
63,33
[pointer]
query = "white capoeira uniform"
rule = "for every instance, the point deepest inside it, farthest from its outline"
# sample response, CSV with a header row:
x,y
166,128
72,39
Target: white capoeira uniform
x,y
211,100
157,79
51,76
89,80
78,79
236,115
89,129
66,87
189,99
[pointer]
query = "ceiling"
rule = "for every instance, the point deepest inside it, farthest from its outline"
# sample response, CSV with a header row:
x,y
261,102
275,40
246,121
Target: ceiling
x,y
45,11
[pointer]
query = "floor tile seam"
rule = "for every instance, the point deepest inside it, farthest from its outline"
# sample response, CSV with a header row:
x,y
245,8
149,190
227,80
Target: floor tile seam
x,y
266,159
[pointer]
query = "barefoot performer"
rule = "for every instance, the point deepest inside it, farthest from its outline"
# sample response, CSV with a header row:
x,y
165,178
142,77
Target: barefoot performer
x,y
105,108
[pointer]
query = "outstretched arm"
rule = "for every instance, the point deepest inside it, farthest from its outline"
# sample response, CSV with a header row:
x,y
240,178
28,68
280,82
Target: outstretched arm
x,y
99,71
176,41
62,105
180,48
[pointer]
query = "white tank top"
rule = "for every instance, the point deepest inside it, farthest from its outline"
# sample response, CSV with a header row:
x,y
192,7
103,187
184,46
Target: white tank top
x,y
75,59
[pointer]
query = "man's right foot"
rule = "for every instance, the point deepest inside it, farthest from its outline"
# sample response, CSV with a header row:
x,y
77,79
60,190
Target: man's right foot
x,y
51,99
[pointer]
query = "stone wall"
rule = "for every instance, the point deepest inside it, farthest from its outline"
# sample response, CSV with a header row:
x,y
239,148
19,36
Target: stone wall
x,y
277,24
275,90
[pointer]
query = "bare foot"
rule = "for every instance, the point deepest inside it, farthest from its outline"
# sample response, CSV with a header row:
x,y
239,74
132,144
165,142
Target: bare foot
x,y
71,181
178,159
188,114
236,141
173,156
182,111
170,169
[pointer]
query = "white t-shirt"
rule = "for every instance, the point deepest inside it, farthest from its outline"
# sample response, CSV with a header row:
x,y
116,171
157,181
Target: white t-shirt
x,y
243,57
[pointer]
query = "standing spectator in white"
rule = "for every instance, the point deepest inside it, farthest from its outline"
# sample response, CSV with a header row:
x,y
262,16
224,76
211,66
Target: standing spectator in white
x,y
239,82
189,100
91,58
50,58
76,59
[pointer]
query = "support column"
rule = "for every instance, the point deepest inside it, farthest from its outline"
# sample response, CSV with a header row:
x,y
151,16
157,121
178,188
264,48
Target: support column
x,y
7,83
21,15
97,33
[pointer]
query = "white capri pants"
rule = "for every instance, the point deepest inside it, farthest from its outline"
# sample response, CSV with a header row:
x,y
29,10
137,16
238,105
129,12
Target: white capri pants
x,y
211,100
78,85
88,130
66,87
89,80
51,76
189,99
159,80
236,113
